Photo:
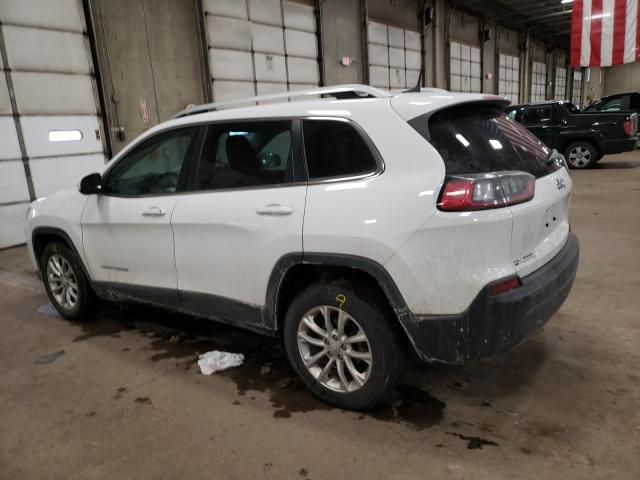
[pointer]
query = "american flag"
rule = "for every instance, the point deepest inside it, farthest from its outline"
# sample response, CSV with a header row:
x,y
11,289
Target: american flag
x,y
604,33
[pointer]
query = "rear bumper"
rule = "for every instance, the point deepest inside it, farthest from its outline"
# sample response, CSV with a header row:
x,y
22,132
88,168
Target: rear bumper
x,y
621,145
494,324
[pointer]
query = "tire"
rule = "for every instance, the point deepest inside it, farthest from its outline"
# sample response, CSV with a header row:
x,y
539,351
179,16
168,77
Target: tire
x,y
378,360
62,273
581,155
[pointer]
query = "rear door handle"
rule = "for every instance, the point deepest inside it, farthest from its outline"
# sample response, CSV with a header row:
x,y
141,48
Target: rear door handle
x,y
275,209
154,212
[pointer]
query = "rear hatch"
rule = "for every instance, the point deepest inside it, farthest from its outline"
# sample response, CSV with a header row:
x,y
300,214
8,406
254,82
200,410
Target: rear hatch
x,y
480,144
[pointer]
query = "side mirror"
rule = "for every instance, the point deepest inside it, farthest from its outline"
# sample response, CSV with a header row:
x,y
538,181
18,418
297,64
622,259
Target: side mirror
x,y
91,184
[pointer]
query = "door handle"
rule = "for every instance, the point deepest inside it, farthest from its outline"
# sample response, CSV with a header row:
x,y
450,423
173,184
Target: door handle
x,y
275,209
154,212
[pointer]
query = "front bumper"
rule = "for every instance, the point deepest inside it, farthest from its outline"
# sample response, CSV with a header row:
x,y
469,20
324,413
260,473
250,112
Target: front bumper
x,y
494,324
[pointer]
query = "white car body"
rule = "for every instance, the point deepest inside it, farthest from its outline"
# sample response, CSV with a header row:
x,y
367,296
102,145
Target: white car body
x,y
224,243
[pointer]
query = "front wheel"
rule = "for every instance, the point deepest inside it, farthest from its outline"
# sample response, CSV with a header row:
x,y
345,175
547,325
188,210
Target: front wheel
x,y
342,346
581,155
65,282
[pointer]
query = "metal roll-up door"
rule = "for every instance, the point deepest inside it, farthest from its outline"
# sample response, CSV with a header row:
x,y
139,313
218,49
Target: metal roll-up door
x,y
394,56
55,111
260,47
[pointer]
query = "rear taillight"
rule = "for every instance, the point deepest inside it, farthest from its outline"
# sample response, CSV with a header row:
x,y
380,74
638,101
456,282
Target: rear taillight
x,y
486,190
628,127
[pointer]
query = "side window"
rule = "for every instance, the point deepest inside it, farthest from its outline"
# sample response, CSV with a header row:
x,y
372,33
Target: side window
x,y
612,105
240,155
634,101
336,149
152,167
536,115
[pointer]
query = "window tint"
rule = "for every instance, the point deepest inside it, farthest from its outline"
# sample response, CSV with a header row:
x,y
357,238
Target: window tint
x,y
536,115
336,149
152,167
480,139
634,101
237,155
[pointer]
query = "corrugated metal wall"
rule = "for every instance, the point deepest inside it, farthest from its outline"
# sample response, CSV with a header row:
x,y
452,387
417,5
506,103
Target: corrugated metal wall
x,y
52,128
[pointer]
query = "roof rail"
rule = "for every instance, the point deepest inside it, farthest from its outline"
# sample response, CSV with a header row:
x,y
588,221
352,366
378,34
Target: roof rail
x,y
337,91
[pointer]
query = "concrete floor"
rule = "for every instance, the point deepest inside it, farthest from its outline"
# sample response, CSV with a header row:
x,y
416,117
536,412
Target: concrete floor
x,y
126,400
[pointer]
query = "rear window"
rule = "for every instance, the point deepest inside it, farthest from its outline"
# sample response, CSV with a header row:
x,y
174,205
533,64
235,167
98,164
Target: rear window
x,y
481,139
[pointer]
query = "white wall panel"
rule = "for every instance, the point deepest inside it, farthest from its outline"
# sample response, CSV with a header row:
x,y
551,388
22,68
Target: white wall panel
x,y
412,77
225,32
302,70
45,50
230,65
265,11
5,103
299,16
12,220
36,135
378,55
413,60
377,33
397,78
379,76
9,146
267,39
227,8
260,46
270,68
269,89
53,93
54,174
396,37
396,57
301,44
13,184
229,90
61,14
412,40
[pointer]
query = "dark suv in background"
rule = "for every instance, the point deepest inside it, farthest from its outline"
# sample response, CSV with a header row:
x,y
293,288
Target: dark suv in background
x,y
582,137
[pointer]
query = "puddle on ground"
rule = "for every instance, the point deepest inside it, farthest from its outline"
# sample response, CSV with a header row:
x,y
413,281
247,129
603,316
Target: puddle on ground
x,y
49,358
183,338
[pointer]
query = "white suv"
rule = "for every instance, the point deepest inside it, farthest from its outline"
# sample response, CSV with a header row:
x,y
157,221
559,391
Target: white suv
x,y
356,228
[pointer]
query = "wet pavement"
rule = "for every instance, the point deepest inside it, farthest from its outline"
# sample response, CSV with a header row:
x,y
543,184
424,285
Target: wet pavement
x,y
122,396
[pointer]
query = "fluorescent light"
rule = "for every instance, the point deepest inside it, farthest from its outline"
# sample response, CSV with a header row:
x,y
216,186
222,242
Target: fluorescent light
x,y
462,140
65,135
566,1
496,144
599,15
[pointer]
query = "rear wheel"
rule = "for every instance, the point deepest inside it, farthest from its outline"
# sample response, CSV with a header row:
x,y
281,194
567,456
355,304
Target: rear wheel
x,y
581,155
65,282
342,346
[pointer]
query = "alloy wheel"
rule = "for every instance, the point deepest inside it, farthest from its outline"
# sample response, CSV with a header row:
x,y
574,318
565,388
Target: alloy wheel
x,y
334,348
579,156
62,281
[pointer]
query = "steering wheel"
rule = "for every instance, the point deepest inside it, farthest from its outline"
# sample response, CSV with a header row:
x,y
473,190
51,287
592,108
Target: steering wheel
x,y
163,183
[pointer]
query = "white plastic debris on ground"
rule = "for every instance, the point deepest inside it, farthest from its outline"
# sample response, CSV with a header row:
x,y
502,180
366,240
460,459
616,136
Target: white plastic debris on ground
x,y
215,361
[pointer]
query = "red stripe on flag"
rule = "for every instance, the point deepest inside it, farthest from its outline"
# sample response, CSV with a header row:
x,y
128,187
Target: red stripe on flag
x,y
596,33
619,26
576,33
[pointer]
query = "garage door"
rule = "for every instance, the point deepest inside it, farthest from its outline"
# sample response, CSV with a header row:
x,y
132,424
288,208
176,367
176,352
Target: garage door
x,y
51,134
465,68
260,47
538,81
394,56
